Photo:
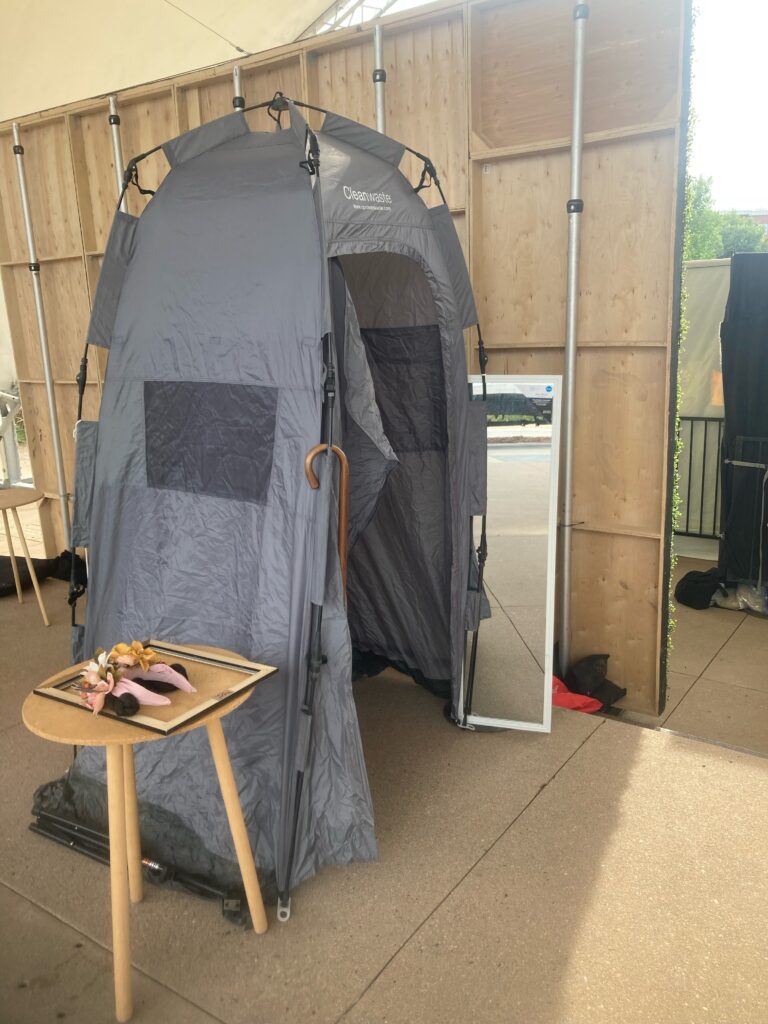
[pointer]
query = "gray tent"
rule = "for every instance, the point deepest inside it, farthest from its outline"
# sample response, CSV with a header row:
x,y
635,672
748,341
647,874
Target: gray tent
x,y
280,289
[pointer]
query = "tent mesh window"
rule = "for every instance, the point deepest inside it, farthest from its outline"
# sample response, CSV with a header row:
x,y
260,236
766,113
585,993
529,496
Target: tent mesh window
x,y
206,438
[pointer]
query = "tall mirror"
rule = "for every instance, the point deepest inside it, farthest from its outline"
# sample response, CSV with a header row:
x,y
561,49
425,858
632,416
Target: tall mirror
x,y
513,671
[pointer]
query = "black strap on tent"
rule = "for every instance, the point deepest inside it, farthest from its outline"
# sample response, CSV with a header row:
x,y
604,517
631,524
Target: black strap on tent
x,y
76,590
131,175
316,658
481,551
429,177
312,149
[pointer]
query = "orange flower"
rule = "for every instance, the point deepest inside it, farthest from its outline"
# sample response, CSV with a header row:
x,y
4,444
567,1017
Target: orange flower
x,y
135,654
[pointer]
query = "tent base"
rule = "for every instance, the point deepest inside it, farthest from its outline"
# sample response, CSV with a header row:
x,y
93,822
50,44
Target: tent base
x,y
71,811
367,663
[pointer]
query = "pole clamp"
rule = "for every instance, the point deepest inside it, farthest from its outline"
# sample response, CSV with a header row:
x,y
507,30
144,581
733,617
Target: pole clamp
x,y
329,386
580,12
238,102
575,206
34,268
18,149
379,75
114,119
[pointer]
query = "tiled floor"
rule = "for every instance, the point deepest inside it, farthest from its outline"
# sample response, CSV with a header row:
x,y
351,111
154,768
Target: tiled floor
x,y
718,678
600,874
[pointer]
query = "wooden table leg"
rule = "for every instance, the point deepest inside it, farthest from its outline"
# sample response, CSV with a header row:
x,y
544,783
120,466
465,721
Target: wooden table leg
x,y
12,554
30,566
118,874
237,825
133,836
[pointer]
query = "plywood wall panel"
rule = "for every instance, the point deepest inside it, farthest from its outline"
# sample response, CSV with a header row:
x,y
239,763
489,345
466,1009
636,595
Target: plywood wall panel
x,y
212,98
521,244
13,245
525,50
627,224
620,407
65,298
342,77
95,173
51,187
425,97
527,361
615,609
426,103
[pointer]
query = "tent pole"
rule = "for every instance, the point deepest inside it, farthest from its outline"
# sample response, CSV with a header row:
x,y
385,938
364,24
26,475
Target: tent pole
x,y
117,149
238,100
379,79
575,207
34,267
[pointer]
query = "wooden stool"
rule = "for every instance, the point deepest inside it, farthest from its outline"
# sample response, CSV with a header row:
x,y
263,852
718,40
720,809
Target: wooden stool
x,y
55,721
12,498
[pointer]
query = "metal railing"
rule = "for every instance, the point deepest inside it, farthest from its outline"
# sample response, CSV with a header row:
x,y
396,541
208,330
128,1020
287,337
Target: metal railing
x,y
699,476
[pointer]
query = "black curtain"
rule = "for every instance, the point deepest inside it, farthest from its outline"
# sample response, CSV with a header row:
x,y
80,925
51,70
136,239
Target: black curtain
x,y
744,466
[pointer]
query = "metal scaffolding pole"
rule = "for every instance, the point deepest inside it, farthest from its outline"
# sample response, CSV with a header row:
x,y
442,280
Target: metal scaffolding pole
x,y
575,208
117,149
34,268
379,79
238,100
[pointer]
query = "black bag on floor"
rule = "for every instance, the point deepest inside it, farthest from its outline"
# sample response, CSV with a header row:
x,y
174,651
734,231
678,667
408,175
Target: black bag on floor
x,y
589,677
696,589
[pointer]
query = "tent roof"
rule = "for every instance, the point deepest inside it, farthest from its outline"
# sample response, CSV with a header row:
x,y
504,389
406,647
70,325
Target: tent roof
x,y
53,53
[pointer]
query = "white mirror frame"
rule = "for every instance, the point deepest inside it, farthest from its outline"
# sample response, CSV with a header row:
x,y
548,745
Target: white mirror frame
x,y
555,380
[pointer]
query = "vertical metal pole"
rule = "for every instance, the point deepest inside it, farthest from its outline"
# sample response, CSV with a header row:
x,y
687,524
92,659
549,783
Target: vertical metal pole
x,y
574,207
117,148
238,100
34,268
379,79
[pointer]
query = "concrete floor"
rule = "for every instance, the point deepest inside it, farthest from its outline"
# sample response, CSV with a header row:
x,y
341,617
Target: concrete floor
x,y
717,681
600,874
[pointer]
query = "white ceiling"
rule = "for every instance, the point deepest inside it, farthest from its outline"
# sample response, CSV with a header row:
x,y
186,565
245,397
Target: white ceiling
x,y
53,51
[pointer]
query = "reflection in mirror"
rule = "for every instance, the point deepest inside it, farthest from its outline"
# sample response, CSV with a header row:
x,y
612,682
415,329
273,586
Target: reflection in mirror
x,y
514,664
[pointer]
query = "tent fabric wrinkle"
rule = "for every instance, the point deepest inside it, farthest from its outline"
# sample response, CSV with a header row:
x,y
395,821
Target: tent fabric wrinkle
x,y
248,291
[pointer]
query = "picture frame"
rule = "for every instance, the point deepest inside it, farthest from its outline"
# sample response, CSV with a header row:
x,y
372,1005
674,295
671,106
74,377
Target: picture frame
x,y
216,677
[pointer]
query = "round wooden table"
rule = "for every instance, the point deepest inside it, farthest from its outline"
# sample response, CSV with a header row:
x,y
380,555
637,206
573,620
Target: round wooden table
x,y
53,720
11,499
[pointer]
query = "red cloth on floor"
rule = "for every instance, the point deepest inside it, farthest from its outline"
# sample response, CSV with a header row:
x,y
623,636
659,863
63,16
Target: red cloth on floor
x,y
562,697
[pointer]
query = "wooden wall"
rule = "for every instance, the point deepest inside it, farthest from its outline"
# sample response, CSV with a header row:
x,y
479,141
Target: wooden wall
x,y
484,88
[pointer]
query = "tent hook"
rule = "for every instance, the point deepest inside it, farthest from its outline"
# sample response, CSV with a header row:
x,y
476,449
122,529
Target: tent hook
x,y
314,483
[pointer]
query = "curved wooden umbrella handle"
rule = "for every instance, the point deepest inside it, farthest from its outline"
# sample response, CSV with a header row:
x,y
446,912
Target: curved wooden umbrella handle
x,y
314,483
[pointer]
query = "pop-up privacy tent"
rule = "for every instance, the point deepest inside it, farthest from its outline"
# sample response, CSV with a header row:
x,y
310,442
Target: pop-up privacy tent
x,y
280,290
